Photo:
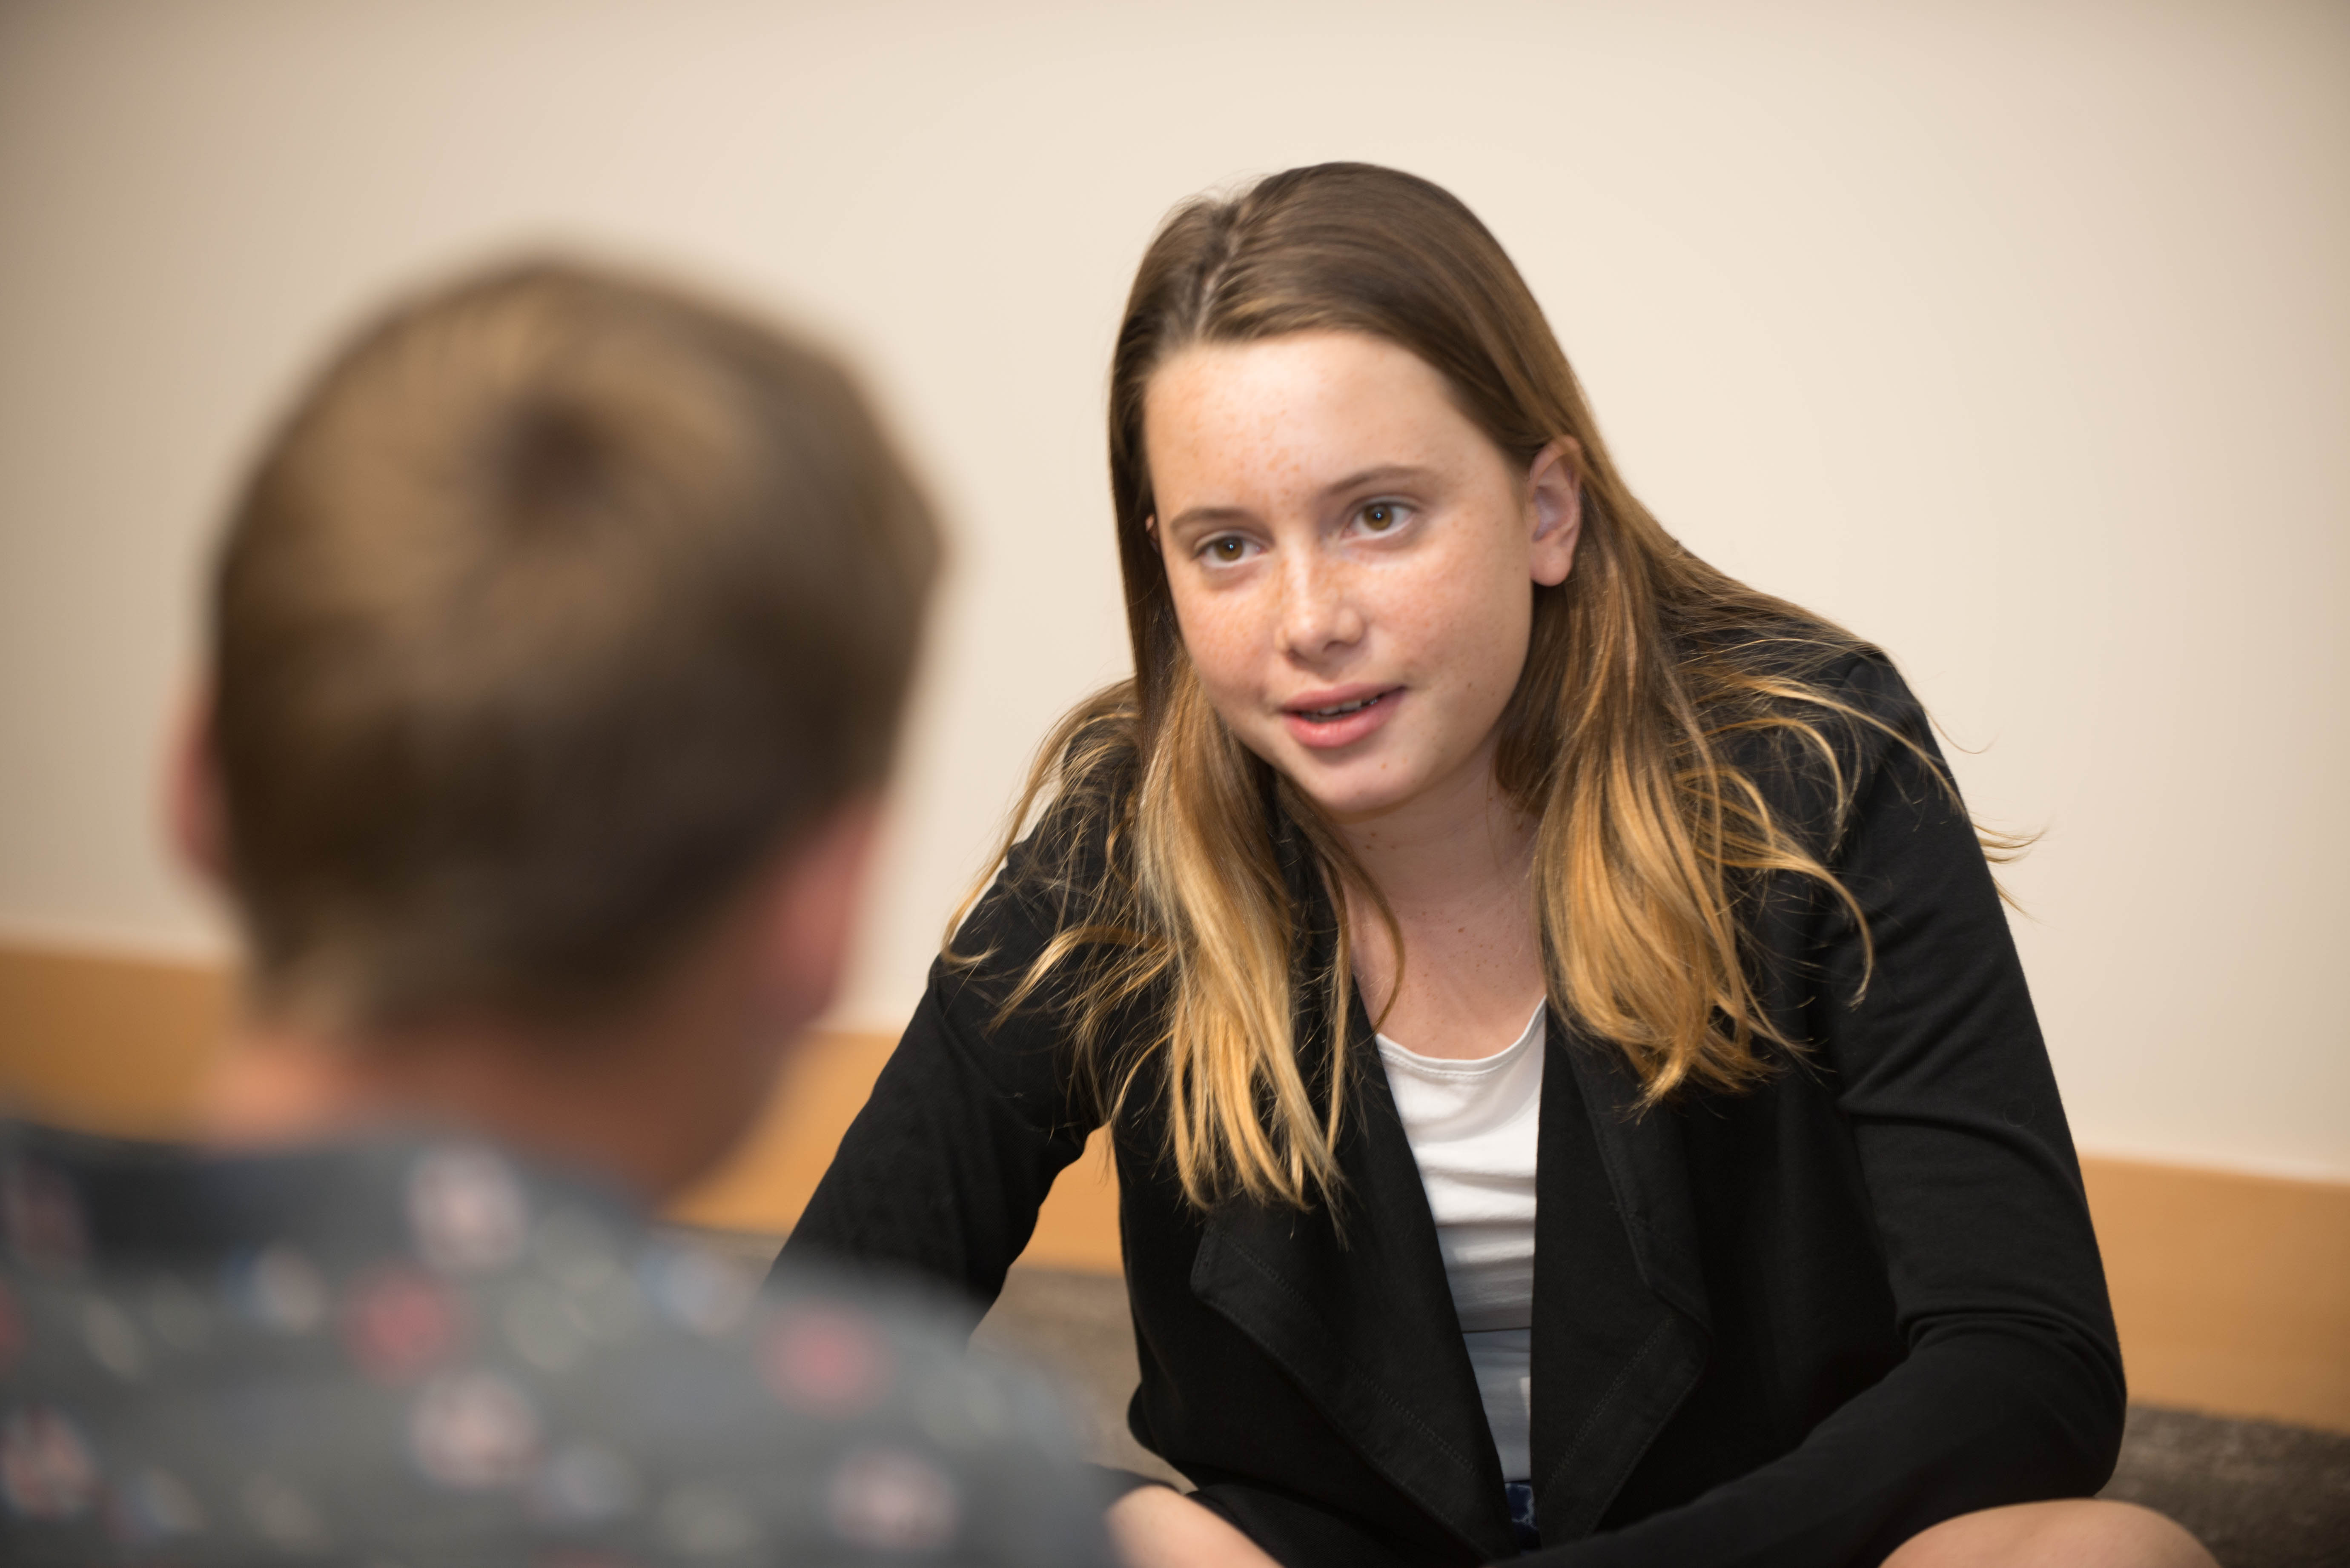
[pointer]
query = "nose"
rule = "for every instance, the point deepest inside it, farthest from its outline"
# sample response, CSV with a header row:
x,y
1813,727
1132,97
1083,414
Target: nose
x,y
1318,614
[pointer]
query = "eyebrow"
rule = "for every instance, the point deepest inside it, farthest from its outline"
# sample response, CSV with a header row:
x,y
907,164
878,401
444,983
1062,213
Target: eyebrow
x,y
1364,479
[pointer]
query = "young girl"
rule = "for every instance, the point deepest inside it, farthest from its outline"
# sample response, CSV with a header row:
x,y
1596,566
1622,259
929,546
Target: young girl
x,y
1572,1086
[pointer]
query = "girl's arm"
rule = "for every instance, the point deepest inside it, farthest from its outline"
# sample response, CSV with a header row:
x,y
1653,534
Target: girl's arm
x,y
2012,1391
941,1174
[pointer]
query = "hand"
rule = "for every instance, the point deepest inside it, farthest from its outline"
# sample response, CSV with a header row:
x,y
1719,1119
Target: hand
x,y
1158,1527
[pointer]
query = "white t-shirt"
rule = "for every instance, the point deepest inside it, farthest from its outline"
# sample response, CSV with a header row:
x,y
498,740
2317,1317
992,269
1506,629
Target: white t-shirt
x,y
1473,1127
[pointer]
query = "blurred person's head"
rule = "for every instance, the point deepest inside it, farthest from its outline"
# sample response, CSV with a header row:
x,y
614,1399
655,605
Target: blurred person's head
x,y
558,642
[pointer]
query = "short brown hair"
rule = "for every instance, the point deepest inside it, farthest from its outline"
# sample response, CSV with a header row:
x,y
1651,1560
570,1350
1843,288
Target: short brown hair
x,y
558,604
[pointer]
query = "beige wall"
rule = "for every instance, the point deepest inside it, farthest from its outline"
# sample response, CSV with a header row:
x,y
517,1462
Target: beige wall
x,y
2016,336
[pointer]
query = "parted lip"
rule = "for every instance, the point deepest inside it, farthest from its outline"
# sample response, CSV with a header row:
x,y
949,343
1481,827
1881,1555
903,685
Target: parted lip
x,y
1311,703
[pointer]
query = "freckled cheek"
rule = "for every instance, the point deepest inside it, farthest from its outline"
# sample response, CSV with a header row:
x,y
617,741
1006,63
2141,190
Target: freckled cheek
x,y
1422,624
1467,642
1226,639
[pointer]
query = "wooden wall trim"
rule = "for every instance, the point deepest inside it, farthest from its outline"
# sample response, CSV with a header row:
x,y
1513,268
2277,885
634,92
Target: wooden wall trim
x,y
104,1041
2232,1291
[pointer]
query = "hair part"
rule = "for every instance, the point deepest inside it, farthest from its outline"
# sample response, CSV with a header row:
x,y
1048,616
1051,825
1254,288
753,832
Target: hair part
x,y
560,602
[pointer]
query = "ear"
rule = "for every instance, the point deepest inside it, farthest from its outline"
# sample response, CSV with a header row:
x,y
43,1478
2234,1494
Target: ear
x,y
1554,510
810,912
195,817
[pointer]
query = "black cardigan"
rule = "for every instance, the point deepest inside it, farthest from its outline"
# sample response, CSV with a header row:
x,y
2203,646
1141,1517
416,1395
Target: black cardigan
x,y
1794,1325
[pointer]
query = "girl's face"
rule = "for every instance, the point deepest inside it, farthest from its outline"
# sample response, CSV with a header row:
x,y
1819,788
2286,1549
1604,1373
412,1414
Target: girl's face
x,y
1353,562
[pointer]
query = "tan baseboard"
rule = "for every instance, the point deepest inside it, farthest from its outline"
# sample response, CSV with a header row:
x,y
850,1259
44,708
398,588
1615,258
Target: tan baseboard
x,y
113,1045
2232,1291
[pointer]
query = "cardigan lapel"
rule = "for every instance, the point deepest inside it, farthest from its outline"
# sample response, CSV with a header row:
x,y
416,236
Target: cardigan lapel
x,y
1358,1312
1360,1317
1621,1330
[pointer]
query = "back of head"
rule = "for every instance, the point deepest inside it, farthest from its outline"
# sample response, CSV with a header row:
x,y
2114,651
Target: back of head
x,y
559,605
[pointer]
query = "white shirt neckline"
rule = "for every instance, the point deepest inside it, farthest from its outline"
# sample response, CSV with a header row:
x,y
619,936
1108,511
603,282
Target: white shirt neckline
x,y
1465,1067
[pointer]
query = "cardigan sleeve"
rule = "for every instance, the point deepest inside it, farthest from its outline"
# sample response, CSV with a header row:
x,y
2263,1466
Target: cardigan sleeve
x,y
940,1175
2012,1387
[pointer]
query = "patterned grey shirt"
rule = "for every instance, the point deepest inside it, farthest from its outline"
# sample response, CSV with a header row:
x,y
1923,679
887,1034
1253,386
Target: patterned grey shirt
x,y
427,1352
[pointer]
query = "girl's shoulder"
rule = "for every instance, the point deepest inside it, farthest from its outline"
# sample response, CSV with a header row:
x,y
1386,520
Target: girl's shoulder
x,y
1773,673
1059,932
1813,722
1068,861
1080,823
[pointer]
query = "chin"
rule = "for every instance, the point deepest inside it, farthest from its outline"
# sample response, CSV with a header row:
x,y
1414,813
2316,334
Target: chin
x,y
1342,797
1355,786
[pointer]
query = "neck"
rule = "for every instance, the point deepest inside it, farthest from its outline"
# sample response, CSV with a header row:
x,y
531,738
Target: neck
x,y
1458,840
572,1099
1452,865
653,1093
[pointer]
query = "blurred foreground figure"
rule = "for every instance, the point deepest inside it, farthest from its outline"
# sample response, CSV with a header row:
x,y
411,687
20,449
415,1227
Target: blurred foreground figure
x,y
557,649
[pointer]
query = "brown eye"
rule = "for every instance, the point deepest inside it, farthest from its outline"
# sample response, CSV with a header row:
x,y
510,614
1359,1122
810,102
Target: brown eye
x,y
1226,550
1381,515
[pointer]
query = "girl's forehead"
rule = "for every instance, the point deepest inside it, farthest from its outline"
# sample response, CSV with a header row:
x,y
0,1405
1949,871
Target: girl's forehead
x,y
1295,367
1309,398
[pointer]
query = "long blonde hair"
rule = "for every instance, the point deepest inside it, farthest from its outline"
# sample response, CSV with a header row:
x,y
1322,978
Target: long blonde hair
x,y
1644,666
